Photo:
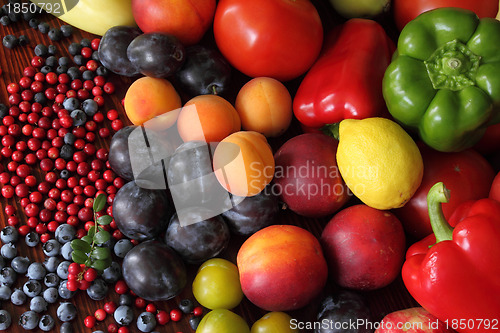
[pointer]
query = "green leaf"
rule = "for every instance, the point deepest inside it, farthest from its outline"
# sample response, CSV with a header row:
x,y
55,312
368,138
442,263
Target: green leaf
x,y
87,239
99,202
79,257
102,237
80,245
100,253
104,220
91,231
101,264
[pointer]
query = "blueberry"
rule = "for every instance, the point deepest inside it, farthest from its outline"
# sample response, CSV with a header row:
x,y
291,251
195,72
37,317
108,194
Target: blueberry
x,y
122,247
66,328
33,23
9,234
36,271
124,315
55,34
3,112
194,322
28,15
50,295
66,251
64,292
29,320
90,107
62,269
79,117
85,42
5,292
66,30
67,152
79,59
46,69
51,248
10,41
5,320
51,280
52,49
102,71
186,306
97,290
43,27
69,138
32,239
88,75
2,262
8,251
46,323
66,311
95,56
71,104
20,264
51,264
7,276
41,50
61,69
14,16
112,273
40,98
73,72
146,322
32,288
5,20
74,48
125,299
51,61
23,40
63,61
38,304
18,297
65,233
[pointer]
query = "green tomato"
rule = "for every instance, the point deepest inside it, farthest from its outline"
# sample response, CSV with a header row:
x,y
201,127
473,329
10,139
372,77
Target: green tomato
x,y
273,322
222,321
217,284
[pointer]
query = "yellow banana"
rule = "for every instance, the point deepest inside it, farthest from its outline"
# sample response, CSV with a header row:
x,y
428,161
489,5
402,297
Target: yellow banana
x,y
94,16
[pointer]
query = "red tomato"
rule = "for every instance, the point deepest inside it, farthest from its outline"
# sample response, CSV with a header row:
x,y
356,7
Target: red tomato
x,y
275,38
468,176
407,10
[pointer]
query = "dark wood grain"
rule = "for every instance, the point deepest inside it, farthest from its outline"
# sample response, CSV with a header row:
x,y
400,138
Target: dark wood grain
x,y
12,63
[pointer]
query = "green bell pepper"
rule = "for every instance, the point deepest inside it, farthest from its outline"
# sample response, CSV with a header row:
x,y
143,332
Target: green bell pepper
x,y
444,79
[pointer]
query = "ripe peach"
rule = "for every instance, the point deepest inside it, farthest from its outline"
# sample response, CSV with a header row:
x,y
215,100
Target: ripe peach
x,y
244,163
148,97
208,118
265,106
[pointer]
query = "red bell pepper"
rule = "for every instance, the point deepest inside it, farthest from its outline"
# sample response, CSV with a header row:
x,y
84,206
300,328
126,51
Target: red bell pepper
x,y
455,272
346,79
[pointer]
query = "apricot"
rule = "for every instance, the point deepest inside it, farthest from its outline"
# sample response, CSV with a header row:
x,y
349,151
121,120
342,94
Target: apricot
x,y
244,163
148,97
265,106
208,118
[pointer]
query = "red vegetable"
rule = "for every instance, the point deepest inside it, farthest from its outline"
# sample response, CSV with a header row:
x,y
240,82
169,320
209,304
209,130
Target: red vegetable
x,y
456,279
346,80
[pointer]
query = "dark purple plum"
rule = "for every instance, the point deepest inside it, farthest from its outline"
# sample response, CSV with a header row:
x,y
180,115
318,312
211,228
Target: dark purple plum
x,y
153,271
341,309
251,214
205,71
156,54
197,238
141,213
113,49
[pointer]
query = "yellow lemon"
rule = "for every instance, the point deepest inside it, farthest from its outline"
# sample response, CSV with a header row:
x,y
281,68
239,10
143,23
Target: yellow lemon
x,y
379,161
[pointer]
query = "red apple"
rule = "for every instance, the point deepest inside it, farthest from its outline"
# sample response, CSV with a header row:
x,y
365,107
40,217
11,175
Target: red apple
x,y
412,320
186,20
281,268
364,247
306,175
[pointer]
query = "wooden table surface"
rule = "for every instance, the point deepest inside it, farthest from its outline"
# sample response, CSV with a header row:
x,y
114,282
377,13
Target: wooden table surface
x,y
12,63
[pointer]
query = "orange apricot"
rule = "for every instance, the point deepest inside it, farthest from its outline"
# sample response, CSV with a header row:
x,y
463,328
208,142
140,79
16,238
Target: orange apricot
x,y
208,118
148,97
244,163
265,106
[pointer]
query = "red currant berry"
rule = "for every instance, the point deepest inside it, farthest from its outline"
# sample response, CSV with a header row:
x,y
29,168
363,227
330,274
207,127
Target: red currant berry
x,y
162,317
89,321
175,315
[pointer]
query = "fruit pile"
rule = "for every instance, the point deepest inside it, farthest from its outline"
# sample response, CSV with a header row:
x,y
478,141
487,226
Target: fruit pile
x,y
287,165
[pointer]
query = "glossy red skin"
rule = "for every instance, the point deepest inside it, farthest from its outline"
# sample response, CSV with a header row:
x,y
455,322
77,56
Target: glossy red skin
x,y
364,247
405,10
312,157
187,20
468,176
346,80
495,188
412,320
455,279
275,38
281,268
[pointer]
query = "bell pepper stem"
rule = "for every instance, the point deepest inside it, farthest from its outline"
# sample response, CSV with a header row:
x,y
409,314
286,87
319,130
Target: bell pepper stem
x,y
331,130
437,195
